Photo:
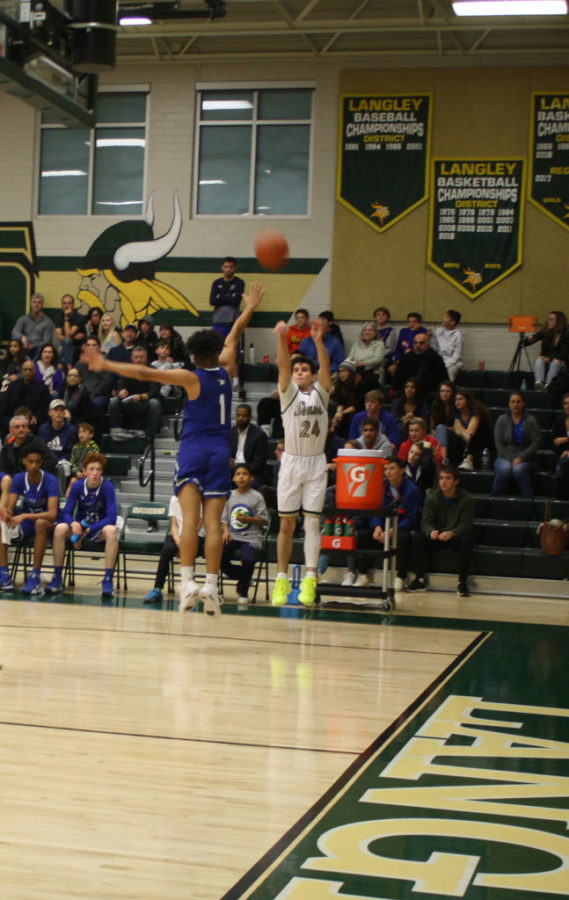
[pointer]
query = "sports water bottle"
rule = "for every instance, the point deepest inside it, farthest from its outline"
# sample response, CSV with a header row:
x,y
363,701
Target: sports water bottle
x,y
77,537
252,353
486,459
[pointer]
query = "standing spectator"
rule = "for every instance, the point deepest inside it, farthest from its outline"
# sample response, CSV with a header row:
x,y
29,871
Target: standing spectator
x,y
16,356
517,439
405,339
374,408
49,370
26,391
69,330
60,436
554,352
448,522
135,400
225,297
422,363
35,328
386,333
401,492
447,340
109,336
297,332
248,445
244,514
367,353
333,347
147,337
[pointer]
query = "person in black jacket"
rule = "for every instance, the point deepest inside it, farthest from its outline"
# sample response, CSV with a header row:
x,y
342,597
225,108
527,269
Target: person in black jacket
x,y
423,364
248,444
26,391
15,443
135,401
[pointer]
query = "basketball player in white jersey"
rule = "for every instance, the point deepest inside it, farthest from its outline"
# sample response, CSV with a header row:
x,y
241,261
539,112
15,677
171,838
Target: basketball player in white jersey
x,y
302,476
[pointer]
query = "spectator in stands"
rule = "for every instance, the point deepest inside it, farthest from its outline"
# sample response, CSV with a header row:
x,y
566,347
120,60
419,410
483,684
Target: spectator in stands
x,y
135,402
248,445
335,329
169,551
448,522
421,468
123,352
422,363
85,444
225,297
90,512
418,435
367,353
98,385
400,492
147,337
35,328
69,330
93,321
443,414
37,494
472,426
60,436
447,340
297,332
405,339
560,435
375,409
50,371
175,340
165,362
109,335
333,346
346,393
78,403
16,356
26,391
554,353
409,404
242,520
18,438
371,439
517,439
385,333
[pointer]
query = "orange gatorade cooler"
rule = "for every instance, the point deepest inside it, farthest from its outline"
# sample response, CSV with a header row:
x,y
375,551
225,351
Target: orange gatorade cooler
x,y
359,479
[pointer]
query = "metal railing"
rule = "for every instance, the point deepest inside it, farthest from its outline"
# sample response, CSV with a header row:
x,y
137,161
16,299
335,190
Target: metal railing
x,y
150,477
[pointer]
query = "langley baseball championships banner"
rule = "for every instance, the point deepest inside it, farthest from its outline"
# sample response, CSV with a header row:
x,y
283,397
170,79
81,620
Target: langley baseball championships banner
x,y
549,155
476,227
383,155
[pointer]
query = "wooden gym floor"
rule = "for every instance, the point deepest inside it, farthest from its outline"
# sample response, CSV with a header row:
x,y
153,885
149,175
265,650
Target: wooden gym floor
x,y
146,754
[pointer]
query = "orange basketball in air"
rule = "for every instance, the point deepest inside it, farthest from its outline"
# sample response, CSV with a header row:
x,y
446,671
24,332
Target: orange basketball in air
x,y
271,250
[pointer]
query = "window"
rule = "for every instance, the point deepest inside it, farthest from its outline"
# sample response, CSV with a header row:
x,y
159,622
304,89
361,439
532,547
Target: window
x,y
254,152
97,171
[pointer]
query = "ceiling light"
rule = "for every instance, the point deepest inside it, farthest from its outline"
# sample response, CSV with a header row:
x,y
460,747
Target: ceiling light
x,y
510,7
135,20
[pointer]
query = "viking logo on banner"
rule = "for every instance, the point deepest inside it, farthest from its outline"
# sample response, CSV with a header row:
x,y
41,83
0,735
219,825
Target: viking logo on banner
x,y
549,155
476,228
383,155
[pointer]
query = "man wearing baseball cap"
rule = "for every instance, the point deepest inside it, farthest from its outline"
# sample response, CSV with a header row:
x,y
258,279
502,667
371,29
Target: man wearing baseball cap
x,y
60,436
122,352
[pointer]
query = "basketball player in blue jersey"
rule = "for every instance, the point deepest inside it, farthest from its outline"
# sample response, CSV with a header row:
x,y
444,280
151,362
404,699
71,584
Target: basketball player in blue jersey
x,y
37,494
203,475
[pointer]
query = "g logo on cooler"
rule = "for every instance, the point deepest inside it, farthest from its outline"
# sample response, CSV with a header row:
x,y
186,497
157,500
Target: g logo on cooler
x,y
358,478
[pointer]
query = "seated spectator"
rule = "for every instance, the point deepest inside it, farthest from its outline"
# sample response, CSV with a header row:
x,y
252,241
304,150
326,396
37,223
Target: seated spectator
x,y
92,322
517,439
443,414
135,402
165,362
367,353
405,339
371,439
297,332
147,337
98,385
123,352
248,445
333,346
16,356
472,426
85,444
69,330
447,340
385,333
448,522
59,435
346,393
421,468
26,391
399,491
177,347
244,514
554,353
409,404
16,442
90,512
170,550
109,335
418,435
35,328
375,409
78,403
37,494
335,329
49,370
423,364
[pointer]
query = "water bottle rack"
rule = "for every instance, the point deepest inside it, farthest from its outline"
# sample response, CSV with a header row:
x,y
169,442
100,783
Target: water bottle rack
x,y
375,596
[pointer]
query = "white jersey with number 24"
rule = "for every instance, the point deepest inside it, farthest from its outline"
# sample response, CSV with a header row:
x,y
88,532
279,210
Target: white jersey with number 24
x,y
305,419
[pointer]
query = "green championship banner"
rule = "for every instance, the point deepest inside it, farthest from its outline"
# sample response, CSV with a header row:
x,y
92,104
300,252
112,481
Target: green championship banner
x,y
549,155
383,155
476,227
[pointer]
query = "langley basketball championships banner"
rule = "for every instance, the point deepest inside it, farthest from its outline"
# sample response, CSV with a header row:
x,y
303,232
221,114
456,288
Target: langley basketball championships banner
x,y
549,155
383,155
476,228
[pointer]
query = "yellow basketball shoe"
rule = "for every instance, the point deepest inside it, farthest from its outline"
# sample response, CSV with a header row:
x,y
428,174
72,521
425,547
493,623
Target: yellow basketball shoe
x,y
281,591
308,586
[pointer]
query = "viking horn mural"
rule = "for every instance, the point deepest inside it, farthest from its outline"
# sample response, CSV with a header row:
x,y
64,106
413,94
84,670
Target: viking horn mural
x,y
151,250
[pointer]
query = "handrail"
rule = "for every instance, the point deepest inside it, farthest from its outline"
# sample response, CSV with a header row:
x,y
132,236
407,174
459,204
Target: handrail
x,y
177,424
151,476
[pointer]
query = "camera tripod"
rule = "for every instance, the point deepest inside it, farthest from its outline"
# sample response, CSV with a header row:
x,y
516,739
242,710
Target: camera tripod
x,y
517,358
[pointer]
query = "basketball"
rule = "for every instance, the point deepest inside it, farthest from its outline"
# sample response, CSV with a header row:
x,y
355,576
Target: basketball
x,y
271,250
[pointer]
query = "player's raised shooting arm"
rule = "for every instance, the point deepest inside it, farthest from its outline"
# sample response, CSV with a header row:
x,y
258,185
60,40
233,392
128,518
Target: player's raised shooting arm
x,y
228,355
283,356
317,335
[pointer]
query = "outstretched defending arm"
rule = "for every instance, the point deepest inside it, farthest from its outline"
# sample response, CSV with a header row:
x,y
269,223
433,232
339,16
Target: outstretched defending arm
x,y
182,377
317,335
228,356
283,357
